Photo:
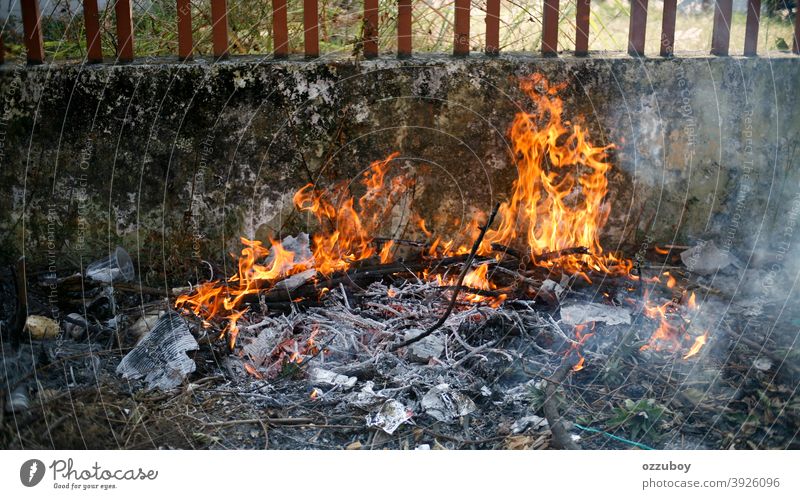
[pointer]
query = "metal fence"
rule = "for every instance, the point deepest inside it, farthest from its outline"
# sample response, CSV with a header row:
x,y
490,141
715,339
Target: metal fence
x,y
125,46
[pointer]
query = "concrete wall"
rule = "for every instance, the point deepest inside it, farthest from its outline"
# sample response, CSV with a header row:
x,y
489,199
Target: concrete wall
x,y
178,160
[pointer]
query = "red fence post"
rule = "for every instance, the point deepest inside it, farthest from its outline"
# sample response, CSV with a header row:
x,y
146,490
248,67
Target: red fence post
x,y
184,30
751,28
668,28
124,30
550,28
370,28
219,28
280,29
461,35
91,19
721,36
311,26
31,24
796,43
582,11
637,28
492,27
403,28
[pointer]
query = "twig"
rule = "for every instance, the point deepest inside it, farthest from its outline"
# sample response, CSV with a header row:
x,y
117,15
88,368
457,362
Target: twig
x,y
554,255
561,437
22,301
459,284
269,421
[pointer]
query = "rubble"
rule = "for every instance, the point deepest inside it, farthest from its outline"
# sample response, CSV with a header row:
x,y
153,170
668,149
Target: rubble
x,y
322,378
160,358
76,326
446,404
430,347
117,267
533,422
390,416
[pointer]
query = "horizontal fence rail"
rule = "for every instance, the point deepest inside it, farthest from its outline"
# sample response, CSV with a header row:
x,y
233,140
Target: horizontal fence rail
x,y
371,19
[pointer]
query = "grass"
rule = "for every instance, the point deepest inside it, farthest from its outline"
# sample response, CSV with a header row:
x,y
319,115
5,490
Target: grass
x,y
340,28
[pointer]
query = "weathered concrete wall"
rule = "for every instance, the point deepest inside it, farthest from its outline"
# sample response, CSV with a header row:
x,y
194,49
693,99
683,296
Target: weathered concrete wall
x,y
174,160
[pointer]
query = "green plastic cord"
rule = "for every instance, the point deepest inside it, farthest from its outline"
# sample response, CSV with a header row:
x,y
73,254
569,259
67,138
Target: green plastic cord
x,y
619,439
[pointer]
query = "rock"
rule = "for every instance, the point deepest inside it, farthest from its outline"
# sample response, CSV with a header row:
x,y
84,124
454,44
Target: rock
x,y
329,379
446,404
762,364
160,358
594,312
41,328
430,347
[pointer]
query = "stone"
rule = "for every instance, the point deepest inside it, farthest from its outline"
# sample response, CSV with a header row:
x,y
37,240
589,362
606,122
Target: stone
x,y
430,347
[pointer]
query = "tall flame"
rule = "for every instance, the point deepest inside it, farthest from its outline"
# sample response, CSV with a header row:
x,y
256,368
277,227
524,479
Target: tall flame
x,y
558,196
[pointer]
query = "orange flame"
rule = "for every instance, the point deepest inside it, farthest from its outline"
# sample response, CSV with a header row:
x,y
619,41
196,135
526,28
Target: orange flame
x,y
478,279
698,344
581,336
558,202
558,197
348,232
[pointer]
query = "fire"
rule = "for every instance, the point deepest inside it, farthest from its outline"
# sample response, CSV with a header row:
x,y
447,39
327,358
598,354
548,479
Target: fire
x,y
671,332
698,344
478,279
348,231
215,298
557,202
581,336
252,371
558,198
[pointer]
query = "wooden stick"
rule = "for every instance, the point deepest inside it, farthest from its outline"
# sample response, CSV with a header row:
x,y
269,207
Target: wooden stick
x,y
561,437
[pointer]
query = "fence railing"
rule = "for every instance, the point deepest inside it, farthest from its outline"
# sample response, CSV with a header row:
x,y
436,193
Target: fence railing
x,y
720,39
